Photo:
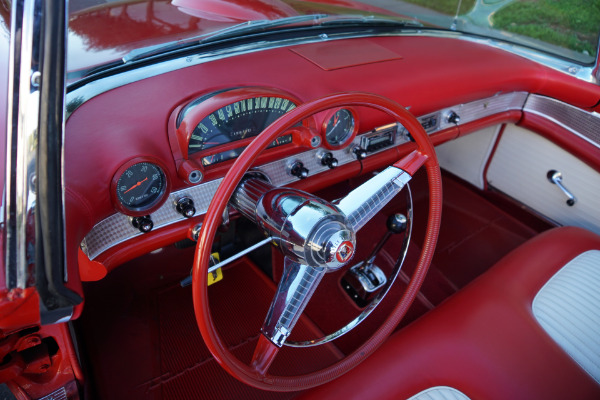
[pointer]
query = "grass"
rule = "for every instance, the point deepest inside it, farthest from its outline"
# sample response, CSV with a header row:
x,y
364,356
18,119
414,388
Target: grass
x,y
572,24
445,6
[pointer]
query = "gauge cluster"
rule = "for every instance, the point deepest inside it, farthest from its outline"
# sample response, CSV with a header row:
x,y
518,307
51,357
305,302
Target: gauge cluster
x,y
207,132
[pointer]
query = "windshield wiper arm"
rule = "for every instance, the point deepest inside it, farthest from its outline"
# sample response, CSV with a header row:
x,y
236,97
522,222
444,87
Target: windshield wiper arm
x,y
260,26
225,33
372,21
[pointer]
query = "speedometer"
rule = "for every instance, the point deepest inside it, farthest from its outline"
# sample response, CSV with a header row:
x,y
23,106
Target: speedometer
x,y
236,121
232,115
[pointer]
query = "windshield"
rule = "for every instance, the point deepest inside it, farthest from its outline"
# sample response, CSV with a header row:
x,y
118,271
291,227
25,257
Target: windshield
x,y
105,31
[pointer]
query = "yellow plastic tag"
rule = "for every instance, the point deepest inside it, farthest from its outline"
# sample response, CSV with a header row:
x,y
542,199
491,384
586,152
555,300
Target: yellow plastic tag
x,y
217,274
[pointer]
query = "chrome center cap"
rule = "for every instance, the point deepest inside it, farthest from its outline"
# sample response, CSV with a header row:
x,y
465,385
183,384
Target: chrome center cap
x,y
339,249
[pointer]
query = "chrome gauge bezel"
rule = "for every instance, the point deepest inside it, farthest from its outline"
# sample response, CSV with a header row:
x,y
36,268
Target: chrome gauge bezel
x,y
349,130
158,198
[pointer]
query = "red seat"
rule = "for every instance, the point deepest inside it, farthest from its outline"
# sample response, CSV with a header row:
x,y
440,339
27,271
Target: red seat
x,y
484,341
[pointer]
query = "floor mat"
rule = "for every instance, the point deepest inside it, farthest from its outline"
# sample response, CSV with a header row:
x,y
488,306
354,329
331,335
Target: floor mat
x,y
147,346
475,234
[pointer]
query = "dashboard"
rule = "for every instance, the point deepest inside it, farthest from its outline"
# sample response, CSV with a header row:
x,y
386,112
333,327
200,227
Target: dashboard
x,y
144,159
308,153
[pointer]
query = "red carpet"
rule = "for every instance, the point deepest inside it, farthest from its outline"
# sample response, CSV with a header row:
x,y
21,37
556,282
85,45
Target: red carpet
x,y
148,346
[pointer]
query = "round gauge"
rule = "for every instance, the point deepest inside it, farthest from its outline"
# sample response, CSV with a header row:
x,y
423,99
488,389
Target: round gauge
x,y
340,127
140,186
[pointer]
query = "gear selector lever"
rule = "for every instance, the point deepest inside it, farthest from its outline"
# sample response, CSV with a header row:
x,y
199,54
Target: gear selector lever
x,y
364,279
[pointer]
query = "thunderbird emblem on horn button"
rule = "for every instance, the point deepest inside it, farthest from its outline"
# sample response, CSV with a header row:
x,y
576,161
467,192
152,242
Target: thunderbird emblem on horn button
x,y
345,252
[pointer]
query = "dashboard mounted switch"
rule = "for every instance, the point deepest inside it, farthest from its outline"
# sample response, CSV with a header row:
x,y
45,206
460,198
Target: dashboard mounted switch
x,y
144,223
453,118
359,153
328,160
185,207
298,170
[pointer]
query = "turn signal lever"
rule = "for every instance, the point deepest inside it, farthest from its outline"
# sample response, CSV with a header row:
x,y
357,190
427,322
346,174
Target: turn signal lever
x,y
366,278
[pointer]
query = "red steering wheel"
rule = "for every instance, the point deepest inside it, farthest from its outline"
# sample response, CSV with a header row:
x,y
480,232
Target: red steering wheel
x,y
256,374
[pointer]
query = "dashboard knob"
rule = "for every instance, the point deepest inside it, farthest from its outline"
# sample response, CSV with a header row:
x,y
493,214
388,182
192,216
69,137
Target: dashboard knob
x,y
329,160
359,152
143,223
453,118
185,207
298,170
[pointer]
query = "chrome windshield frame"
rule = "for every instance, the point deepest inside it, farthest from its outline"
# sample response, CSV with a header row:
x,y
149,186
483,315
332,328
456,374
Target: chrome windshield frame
x,y
22,122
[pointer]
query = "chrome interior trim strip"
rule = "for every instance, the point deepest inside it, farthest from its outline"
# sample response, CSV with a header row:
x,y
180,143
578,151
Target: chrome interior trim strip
x,y
580,122
478,109
22,116
117,228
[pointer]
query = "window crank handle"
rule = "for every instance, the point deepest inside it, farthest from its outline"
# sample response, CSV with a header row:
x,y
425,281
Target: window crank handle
x,y
556,178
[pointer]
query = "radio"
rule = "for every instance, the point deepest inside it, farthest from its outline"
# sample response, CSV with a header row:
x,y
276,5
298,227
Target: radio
x,y
379,138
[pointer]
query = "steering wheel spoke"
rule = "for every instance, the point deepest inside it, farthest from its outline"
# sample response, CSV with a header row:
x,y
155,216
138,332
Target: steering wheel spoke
x,y
361,204
295,289
297,285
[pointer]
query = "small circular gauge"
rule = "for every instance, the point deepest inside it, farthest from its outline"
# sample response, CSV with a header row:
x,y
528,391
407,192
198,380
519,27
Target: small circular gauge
x,y
141,186
340,127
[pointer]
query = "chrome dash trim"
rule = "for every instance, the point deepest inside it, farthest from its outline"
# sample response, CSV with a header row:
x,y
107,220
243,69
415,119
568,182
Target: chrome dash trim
x,y
470,112
580,122
117,228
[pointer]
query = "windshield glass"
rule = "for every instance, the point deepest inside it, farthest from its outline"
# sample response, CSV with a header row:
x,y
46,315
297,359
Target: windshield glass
x,y
105,31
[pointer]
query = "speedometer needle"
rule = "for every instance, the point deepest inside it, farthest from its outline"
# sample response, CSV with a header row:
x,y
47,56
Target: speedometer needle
x,y
136,185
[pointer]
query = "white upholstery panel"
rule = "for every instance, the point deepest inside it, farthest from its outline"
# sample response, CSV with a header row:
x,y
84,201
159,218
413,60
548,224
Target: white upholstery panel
x,y
568,308
520,166
467,156
440,393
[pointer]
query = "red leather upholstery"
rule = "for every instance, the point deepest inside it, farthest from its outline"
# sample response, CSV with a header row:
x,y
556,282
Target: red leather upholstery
x,y
484,341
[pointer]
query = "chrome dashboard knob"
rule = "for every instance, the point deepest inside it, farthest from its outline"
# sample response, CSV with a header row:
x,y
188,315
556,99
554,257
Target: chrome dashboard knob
x,y
329,160
359,152
298,170
144,223
185,207
453,118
